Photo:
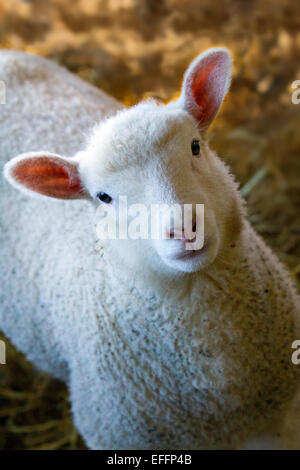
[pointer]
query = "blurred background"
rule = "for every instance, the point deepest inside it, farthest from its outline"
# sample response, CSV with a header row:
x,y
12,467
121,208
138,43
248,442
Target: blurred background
x,y
139,48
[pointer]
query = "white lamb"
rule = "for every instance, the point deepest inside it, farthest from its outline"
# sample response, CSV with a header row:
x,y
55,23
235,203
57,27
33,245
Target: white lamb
x,y
161,349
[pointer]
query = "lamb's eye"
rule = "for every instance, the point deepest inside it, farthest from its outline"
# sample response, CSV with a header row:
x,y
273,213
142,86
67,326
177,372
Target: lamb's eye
x,y
104,197
195,146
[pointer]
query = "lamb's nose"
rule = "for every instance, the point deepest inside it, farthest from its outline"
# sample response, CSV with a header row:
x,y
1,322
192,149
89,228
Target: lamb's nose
x,y
185,234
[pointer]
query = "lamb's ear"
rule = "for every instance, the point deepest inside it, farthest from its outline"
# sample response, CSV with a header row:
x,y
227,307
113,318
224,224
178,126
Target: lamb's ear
x,y
205,84
47,174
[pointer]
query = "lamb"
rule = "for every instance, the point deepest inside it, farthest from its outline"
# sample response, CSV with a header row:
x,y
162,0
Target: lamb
x,y
160,350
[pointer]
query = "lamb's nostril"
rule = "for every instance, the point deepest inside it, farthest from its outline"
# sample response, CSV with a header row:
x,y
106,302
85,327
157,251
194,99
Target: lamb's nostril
x,y
179,233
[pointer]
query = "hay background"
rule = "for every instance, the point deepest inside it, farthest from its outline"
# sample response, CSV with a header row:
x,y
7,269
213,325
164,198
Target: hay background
x,y
133,48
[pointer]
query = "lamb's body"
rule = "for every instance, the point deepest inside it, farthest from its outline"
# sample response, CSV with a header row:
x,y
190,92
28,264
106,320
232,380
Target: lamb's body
x,y
204,362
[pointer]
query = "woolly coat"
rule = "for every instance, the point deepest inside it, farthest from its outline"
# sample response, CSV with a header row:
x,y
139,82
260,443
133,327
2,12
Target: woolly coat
x,y
207,366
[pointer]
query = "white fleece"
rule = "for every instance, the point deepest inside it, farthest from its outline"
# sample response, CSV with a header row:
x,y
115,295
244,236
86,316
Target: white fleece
x,y
203,361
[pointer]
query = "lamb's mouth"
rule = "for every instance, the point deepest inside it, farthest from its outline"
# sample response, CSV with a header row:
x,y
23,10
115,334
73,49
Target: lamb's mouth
x,y
185,255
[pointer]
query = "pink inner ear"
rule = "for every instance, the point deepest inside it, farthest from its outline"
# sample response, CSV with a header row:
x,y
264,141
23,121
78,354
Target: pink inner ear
x,y
206,87
48,176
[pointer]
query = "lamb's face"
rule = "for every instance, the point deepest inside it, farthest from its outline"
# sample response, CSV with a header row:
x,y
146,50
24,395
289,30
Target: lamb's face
x,y
155,157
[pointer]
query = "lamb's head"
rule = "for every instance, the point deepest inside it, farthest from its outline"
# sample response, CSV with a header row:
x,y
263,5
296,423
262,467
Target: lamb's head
x,y
155,156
